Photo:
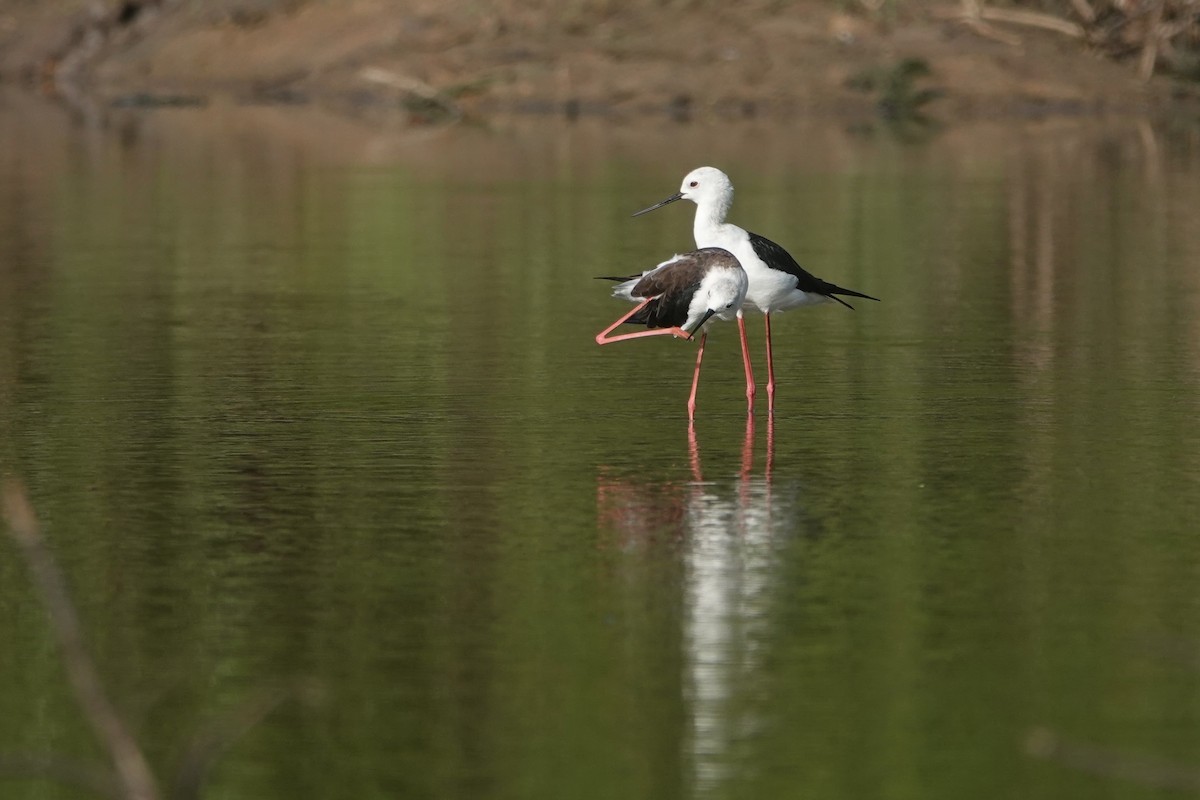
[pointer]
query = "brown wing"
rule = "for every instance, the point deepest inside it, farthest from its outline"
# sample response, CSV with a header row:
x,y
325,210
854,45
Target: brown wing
x,y
682,274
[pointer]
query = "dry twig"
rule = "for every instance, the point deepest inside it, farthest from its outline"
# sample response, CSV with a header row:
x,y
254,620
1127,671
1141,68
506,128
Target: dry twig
x,y
131,778
974,14
1162,23
1084,10
1150,48
414,87
133,772
1033,19
971,15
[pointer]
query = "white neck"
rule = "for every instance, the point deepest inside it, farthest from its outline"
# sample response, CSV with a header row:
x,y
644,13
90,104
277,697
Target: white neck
x,y
710,217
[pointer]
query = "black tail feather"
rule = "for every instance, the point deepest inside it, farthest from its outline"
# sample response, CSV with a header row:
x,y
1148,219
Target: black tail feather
x,y
832,291
615,278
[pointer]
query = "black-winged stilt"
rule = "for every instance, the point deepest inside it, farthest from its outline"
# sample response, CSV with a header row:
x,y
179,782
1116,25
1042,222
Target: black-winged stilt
x,y
777,282
681,296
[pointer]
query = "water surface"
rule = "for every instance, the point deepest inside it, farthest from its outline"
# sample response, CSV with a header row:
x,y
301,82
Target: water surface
x,y
302,418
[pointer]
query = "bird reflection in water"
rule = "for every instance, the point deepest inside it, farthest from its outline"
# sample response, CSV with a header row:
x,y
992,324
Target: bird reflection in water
x,y
638,508
728,534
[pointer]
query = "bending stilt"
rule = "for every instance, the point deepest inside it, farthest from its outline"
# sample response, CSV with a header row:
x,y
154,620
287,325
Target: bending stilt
x,y
603,338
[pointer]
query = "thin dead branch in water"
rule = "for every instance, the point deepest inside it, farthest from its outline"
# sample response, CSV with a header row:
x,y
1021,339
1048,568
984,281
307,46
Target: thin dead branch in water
x,y
132,771
130,777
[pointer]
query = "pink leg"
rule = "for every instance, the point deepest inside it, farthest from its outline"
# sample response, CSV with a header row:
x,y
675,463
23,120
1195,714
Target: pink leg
x,y
746,364
696,378
770,370
603,338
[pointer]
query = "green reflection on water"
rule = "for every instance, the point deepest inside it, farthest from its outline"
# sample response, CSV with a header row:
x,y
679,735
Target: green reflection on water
x,y
290,421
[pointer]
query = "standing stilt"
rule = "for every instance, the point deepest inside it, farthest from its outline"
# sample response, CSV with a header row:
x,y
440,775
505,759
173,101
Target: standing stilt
x,y
746,364
777,281
696,377
770,369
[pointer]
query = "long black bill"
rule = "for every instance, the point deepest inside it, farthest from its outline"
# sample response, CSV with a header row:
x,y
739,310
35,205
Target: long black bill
x,y
671,199
700,324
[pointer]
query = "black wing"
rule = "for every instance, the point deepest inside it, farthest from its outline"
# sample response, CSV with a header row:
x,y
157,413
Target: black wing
x,y
667,310
776,257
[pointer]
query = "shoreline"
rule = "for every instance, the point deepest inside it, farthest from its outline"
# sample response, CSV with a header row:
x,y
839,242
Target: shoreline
x,y
440,63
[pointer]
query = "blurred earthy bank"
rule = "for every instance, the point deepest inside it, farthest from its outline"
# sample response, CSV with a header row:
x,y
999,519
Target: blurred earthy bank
x,y
433,59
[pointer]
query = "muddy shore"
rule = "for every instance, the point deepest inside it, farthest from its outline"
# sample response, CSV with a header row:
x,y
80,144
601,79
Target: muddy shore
x,y
426,62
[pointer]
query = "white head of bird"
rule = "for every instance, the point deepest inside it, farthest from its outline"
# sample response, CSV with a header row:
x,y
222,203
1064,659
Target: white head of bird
x,y
712,192
707,186
720,294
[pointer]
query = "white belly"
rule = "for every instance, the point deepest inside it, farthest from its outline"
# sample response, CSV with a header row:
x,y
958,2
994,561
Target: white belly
x,y
770,290
775,290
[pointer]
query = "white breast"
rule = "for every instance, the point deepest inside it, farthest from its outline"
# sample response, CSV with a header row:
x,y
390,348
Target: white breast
x,y
769,289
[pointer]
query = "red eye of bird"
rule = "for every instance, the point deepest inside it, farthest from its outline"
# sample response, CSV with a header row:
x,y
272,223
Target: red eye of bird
x,y
694,184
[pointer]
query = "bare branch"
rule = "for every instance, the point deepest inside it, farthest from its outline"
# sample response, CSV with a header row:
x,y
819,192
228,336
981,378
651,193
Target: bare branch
x,y
414,87
991,32
1151,42
1034,19
972,16
133,773
1084,10
974,13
